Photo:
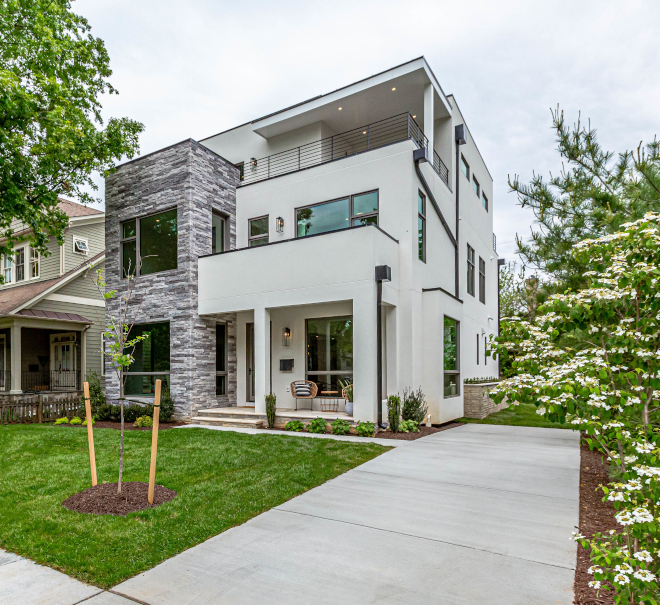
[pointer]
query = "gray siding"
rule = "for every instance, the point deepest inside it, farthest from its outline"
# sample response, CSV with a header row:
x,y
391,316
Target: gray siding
x,y
95,236
83,286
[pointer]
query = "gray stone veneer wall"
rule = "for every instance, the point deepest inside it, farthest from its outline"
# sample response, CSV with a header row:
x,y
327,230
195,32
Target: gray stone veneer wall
x,y
196,181
477,402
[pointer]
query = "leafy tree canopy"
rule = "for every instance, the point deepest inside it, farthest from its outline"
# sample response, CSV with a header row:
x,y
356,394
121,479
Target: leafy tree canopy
x,y
53,73
593,195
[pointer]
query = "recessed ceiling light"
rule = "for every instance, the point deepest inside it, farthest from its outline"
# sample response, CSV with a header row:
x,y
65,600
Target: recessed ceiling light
x,y
394,88
340,109
364,132
414,116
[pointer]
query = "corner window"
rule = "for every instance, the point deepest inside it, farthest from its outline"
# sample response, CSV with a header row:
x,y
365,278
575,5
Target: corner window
x,y
451,357
7,269
218,232
151,359
470,270
241,171
353,211
465,168
475,186
35,262
80,246
151,239
329,353
421,226
484,201
482,280
258,231
221,359
20,264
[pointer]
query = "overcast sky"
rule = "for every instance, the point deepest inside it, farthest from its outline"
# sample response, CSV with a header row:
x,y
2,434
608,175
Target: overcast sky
x,y
192,68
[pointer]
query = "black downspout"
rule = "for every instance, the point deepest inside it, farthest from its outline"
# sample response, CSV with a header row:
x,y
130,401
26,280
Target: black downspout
x,y
500,263
379,353
456,254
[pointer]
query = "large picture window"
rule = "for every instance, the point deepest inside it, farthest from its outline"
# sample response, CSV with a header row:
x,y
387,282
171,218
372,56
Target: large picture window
x,y
451,357
470,270
221,359
151,359
329,352
353,210
153,239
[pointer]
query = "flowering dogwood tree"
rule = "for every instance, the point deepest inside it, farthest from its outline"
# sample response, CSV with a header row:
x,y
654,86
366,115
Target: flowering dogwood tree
x,y
592,359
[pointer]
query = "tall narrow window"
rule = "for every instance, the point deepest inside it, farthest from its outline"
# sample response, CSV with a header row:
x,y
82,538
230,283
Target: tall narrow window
x,y
484,201
258,231
218,229
465,168
470,270
7,269
34,263
103,353
421,226
128,247
241,171
482,280
485,357
221,359
478,347
451,357
20,264
475,186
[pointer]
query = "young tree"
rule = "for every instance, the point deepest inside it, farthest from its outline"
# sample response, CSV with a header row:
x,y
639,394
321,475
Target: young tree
x,y
120,346
593,195
53,73
592,358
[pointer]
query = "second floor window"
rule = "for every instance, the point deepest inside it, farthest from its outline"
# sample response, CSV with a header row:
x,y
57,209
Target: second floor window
x,y
20,264
421,226
218,230
482,280
470,270
350,211
7,269
475,186
484,201
258,231
34,263
465,168
153,239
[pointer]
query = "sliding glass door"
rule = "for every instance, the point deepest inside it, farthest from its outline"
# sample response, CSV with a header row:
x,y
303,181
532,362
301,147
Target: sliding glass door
x,y
329,352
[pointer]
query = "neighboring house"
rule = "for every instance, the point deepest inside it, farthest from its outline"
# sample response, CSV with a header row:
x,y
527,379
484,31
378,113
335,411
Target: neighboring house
x,y
51,314
260,247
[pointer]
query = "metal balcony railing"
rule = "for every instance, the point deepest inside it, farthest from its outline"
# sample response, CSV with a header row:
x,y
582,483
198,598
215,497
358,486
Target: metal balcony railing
x,y
5,380
440,167
55,380
385,132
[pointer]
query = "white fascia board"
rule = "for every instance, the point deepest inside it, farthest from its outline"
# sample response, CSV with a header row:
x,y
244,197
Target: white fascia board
x,y
77,273
333,97
76,221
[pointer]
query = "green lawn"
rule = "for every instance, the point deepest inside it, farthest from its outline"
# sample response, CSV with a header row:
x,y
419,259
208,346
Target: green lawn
x,y
523,414
222,479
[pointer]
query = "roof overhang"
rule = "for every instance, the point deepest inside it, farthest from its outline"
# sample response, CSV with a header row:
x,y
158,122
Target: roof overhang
x,y
362,102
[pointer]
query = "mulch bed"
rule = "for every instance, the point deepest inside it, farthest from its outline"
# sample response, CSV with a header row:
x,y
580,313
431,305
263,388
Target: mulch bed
x,y
424,431
128,426
103,499
595,516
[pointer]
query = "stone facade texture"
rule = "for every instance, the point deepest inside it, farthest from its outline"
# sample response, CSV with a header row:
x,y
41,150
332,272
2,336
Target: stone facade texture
x,y
195,181
477,402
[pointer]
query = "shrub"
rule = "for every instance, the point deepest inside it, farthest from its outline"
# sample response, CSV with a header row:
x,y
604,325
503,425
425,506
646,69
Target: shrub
x,y
84,422
143,421
365,429
348,385
414,405
75,420
340,427
132,411
96,393
409,426
318,425
271,400
294,425
166,407
63,420
394,412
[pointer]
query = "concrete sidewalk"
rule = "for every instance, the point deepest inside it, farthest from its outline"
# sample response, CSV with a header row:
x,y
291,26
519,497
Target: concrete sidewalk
x,y
478,514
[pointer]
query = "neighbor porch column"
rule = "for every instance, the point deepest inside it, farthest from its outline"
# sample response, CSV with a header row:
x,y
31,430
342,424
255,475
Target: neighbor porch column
x,y
429,117
261,359
15,339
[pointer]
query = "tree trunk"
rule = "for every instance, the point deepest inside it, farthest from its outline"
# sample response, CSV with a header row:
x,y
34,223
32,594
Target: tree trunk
x,y
121,437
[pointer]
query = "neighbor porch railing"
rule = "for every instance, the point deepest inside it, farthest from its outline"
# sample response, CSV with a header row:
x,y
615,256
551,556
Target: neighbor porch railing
x,y
53,380
38,408
378,134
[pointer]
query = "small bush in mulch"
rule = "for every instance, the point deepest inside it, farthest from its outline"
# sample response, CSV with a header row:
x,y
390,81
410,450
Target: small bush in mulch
x,y
423,432
103,499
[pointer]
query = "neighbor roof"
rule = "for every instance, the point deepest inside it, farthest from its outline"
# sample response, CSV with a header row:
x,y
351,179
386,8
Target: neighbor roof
x,y
74,209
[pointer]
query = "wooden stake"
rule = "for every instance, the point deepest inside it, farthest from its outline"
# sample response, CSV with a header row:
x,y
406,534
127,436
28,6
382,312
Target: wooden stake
x,y
154,444
90,433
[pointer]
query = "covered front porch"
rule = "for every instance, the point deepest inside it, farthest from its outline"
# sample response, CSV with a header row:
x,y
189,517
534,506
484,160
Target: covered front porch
x,y
42,353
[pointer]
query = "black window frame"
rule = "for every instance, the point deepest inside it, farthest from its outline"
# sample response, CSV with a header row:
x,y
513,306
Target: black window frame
x,y
159,373
348,374
351,210
482,280
136,238
478,346
256,238
457,371
222,373
225,234
470,270
467,167
421,216
241,171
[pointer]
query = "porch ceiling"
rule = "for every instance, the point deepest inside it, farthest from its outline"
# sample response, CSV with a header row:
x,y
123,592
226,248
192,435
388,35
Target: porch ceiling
x,y
54,315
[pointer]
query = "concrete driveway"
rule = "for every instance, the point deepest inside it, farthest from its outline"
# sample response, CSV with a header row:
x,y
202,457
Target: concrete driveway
x,y
472,515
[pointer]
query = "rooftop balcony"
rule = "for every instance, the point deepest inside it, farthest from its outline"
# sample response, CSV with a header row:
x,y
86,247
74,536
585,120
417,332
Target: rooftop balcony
x,y
392,130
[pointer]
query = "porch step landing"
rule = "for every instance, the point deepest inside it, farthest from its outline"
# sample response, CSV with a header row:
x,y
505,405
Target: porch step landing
x,y
230,417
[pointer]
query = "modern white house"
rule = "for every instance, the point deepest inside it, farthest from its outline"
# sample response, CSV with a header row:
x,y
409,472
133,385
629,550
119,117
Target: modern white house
x,y
352,242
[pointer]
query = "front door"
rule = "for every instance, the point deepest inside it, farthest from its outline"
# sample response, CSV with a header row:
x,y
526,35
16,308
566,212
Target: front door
x,y
63,376
249,361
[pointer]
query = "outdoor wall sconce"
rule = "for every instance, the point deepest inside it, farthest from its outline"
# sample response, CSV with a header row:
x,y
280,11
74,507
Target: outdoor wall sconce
x,y
279,224
253,162
286,337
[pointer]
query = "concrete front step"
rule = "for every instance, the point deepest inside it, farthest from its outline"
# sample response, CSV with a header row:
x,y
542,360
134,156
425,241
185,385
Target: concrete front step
x,y
246,423
230,413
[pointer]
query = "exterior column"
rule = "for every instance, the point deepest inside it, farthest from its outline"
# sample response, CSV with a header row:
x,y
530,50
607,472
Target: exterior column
x,y
83,357
15,338
261,359
429,117
365,367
